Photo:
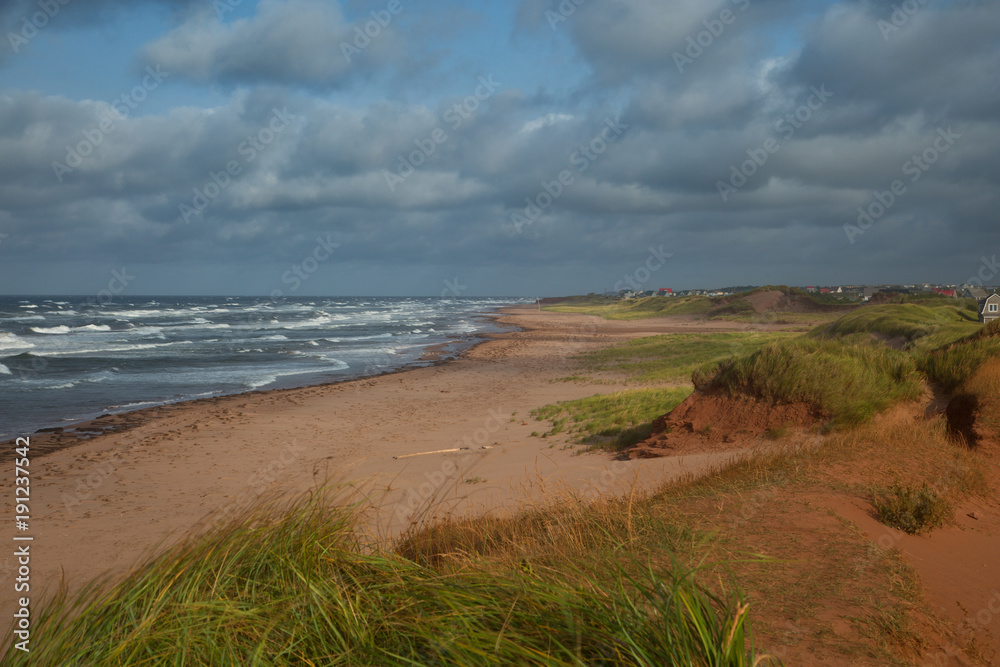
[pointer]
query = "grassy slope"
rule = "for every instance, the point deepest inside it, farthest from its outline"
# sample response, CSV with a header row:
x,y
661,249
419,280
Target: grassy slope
x,y
293,586
924,327
614,421
806,573
953,364
672,356
733,307
850,382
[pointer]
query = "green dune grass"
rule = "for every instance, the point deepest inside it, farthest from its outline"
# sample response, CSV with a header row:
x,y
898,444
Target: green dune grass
x,y
292,585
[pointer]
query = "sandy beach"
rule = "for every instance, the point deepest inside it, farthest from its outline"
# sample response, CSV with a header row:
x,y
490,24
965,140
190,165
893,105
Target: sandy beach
x,y
101,505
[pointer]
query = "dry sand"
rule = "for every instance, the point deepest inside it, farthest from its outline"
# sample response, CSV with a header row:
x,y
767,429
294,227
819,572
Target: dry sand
x,y
100,506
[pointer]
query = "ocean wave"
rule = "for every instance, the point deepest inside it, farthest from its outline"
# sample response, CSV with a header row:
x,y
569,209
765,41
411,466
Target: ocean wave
x,y
9,341
65,385
100,350
375,337
25,318
146,331
4,370
141,313
93,327
61,329
31,306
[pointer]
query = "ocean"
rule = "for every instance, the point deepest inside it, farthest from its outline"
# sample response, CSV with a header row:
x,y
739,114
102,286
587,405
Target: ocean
x,y
68,359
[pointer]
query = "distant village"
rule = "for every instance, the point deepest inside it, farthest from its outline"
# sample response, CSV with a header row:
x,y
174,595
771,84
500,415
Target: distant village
x,y
987,297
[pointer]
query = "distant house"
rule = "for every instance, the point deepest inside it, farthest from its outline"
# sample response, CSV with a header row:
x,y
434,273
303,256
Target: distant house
x,y
664,291
989,308
944,292
824,290
869,292
977,293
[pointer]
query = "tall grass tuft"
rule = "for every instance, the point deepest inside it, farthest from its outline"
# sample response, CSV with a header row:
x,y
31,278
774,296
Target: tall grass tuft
x,y
850,382
612,421
953,364
292,585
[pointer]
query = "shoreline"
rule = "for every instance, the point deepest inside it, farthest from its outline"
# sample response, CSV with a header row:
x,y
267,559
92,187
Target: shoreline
x,y
55,438
106,503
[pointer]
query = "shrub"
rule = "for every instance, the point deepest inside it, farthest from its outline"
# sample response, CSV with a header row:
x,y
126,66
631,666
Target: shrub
x,y
911,509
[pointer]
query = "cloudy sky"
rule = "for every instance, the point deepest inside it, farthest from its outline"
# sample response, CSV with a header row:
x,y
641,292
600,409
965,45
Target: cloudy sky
x,y
533,147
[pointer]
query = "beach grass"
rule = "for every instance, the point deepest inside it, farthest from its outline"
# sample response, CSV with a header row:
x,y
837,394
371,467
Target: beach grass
x,y
850,382
920,327
612,421
671,357
952,365
293,584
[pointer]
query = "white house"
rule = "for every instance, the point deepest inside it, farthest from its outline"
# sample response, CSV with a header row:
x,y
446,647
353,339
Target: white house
x,y
989,308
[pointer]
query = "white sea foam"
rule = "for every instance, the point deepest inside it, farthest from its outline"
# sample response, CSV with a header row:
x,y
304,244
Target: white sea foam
x,y
99,350
4,370
65,385
9,341
94,327
61,329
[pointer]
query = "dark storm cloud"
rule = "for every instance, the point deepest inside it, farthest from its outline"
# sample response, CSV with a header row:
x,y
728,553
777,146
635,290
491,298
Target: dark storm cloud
x,y
289,42
888,94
